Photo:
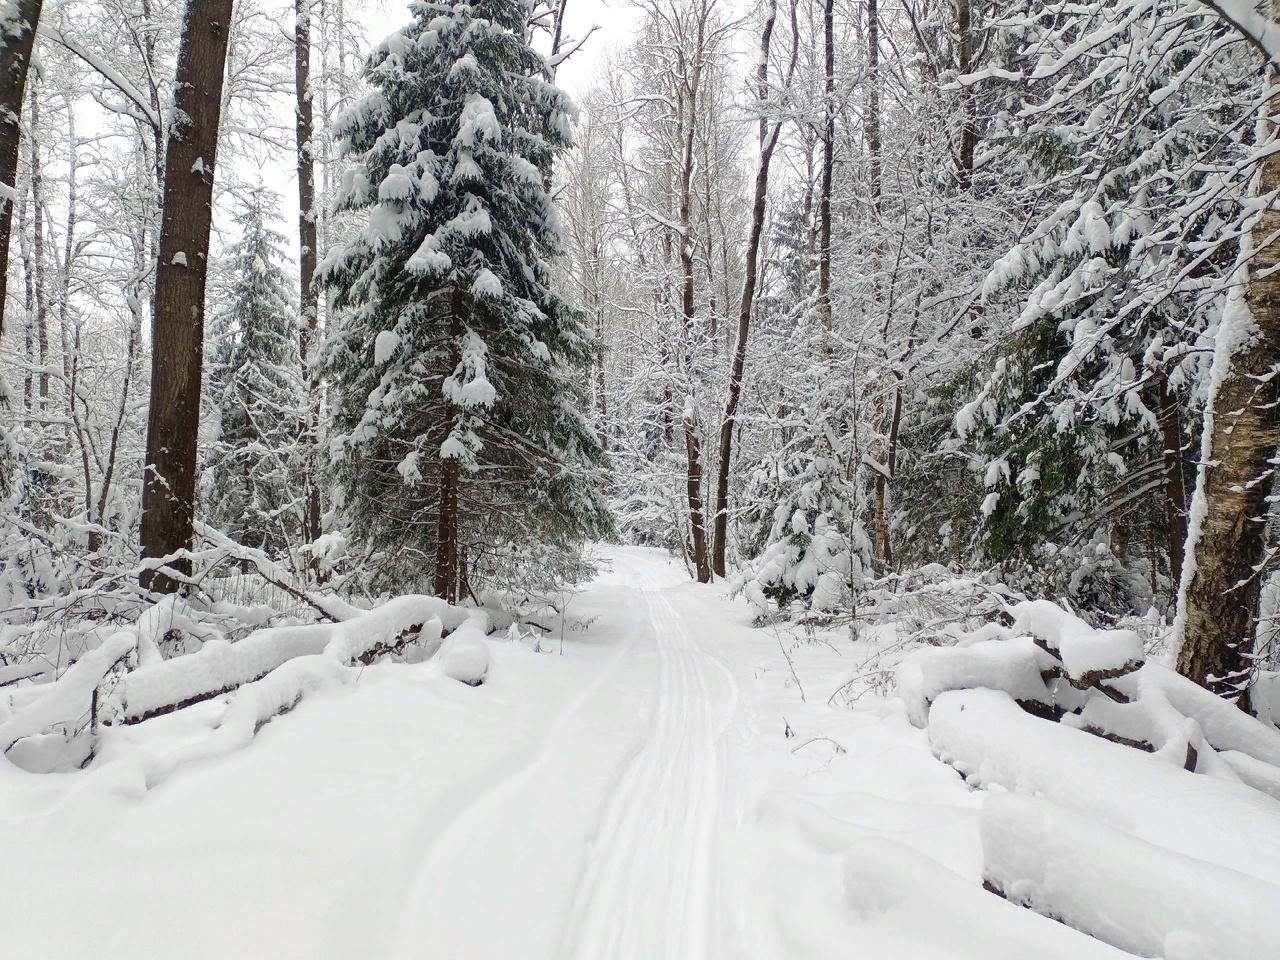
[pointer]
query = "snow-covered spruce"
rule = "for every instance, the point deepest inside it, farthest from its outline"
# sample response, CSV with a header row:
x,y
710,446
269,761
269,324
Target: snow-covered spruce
x,y
458,430
251,490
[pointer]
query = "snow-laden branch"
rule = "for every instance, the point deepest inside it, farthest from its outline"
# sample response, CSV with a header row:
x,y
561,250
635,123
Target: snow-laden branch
x,y
564,55
109,73
1258,28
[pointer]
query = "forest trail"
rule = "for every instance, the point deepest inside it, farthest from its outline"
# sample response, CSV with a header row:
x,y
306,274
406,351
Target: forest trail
x,y
665,783
603,847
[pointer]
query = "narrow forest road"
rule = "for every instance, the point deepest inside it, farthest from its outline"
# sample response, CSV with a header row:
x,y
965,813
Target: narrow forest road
x,y
665,783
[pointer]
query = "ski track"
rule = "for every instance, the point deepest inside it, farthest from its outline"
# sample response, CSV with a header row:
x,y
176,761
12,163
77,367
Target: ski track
x,y
639,878
649,889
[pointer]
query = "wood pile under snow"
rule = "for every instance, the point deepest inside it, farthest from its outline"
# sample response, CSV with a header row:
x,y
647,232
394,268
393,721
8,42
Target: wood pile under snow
x,y
1121,785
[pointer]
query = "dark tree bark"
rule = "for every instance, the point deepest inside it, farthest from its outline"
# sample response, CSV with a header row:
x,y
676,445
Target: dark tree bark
x,y
828,162
964,65
41,288
1221,599
177,321
16,42
768,140
688,301
447,573
881,547
873,100
304,130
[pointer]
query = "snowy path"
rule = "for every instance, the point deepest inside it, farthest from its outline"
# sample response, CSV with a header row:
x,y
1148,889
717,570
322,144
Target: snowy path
x,y
668,789
616,817
648,889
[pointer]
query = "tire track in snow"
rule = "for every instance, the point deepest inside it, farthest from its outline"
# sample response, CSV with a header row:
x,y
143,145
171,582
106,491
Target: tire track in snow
x,y
648,889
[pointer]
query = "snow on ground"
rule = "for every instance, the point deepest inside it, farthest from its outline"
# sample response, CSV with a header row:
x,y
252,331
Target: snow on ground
x,y
671,786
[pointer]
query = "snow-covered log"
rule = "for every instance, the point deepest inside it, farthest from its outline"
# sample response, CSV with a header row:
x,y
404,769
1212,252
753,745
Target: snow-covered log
x,y
902,891
70,698
465,655
989,739
1017,666
1058,667
1136,895
221,667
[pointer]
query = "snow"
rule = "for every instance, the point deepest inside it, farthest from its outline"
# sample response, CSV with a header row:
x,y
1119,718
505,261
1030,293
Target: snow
x,y
1083,650
1136,895
663,781
179,259
1013,666
465,655
220,666
906,898
384,346
987,737
67,701
486,285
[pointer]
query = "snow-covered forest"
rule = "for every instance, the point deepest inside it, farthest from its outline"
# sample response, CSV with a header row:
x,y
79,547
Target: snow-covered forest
x,y
681,479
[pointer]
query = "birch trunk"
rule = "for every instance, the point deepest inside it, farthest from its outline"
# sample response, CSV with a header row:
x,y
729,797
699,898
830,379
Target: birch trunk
x,y
1222,588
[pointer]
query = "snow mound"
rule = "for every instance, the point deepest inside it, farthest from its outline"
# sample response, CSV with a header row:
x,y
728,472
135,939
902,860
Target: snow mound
x,y
465,656
917,899
988,738
1136,895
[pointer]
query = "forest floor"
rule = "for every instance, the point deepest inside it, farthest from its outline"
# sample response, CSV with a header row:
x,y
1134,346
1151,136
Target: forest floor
x,y
667,784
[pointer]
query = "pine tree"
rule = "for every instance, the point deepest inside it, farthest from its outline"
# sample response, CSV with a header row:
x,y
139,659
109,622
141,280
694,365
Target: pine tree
x,y
253,490
458,427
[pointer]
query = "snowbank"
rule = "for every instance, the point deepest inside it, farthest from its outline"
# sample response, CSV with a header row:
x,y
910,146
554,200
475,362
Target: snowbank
x,y
1131,893
465,654
890,885
987,737
1014,666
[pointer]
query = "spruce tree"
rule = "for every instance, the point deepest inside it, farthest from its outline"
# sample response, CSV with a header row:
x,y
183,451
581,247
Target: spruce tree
x,y
253,491
458,431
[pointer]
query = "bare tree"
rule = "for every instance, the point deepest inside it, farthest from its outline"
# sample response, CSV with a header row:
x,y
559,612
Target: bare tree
x,y
307,244
828,161
767,135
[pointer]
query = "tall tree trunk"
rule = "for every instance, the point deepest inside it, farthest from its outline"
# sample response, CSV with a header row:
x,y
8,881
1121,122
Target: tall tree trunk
x,y
28,303
881,548
38,262
964,65
1175,490
304,130
768,139
873,100
1223,584
177,321
693,492
16,41
688,311
446,579
828,162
